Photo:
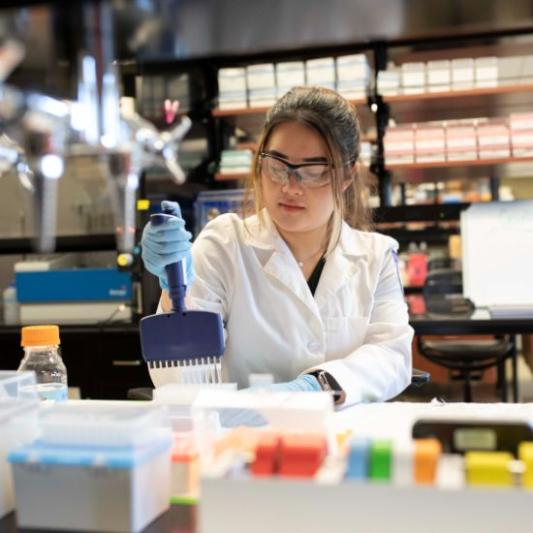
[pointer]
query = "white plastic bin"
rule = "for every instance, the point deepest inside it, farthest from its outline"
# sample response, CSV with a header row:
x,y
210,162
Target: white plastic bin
x,y
18,426
103,468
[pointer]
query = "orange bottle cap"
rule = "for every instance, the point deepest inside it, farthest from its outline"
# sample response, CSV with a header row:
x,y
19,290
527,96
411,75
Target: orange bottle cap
x,y
39,336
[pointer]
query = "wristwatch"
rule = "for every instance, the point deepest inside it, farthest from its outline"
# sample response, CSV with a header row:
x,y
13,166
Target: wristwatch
x,y
329,384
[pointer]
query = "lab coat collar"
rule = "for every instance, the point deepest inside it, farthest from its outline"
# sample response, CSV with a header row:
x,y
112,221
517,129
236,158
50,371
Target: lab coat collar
x,y
265,236
342,263
262,234
277,260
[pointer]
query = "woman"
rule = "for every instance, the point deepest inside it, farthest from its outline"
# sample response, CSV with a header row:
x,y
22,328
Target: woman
x,y
305,293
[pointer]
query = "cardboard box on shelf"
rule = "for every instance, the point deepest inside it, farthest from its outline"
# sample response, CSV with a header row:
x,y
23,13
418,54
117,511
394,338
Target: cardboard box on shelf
x,y
388,81
413,78
429,142
289,74
231,80
260,76
353,75
321,72
233,100
400,144
439,75
486,71
493,139
522,143
352,67
461,142
521,121
521,129
462,73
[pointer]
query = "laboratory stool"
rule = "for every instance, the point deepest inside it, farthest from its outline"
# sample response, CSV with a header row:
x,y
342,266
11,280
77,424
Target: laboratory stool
x,y
466,359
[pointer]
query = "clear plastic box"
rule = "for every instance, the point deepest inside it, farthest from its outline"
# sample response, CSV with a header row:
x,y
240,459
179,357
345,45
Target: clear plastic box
x,y
210,204
18,385
96,468
100,425
19,425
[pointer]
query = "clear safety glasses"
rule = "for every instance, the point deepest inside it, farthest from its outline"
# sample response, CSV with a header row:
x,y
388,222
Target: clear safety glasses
x,y
309,175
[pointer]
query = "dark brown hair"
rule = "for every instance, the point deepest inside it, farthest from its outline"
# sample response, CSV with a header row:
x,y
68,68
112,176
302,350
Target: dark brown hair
x,y
335,120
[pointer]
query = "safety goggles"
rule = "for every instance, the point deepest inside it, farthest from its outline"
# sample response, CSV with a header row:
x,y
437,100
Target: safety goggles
x,y
309,175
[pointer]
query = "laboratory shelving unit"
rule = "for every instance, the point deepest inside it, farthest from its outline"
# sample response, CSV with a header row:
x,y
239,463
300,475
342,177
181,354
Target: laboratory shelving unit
x,y
377,110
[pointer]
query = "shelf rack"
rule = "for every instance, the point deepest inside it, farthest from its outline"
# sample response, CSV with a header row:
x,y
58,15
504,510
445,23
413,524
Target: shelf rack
x,y
375,111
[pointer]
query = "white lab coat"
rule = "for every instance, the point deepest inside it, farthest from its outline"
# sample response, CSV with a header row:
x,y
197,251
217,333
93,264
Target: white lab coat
x,y
355,327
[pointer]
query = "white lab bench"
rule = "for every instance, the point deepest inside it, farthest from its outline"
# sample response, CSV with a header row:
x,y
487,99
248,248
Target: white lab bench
x,y
266,505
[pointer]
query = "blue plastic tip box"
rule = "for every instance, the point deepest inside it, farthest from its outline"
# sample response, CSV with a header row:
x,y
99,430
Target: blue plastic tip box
x,y
62,482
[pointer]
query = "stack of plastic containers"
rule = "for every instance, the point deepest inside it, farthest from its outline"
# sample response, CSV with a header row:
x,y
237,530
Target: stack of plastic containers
x,y
18,423
94,467
210,204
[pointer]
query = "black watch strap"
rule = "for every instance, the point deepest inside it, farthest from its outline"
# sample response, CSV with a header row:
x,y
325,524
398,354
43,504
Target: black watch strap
x,y
329,384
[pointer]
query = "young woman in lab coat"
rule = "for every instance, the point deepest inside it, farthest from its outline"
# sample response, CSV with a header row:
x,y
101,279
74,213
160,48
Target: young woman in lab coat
x,y
306,294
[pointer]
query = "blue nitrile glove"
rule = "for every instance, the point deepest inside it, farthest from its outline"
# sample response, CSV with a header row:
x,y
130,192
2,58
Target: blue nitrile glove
x,y
167,243
305,383
249,417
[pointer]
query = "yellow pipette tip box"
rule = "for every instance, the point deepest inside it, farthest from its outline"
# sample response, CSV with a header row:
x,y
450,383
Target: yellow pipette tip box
x,y
525,454
488,469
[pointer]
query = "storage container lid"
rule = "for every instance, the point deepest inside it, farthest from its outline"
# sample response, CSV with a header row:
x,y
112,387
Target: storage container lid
x,y
39,336
12,410
91,424
18,385
91,456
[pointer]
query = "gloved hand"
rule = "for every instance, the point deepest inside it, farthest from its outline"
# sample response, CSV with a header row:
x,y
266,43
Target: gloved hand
x,y
231,418
305,383
167,243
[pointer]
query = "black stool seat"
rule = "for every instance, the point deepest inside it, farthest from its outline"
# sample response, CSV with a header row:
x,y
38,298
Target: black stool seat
x,y
467,350
466,359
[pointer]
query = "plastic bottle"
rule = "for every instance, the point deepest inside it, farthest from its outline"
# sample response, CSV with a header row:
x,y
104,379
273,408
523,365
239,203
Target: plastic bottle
x,y
11,305
41,354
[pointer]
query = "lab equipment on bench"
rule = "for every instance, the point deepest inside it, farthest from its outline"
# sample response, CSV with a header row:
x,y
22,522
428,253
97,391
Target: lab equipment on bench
x,y
94,467
74,295
497,252
42,132
215,410
462,436
286,473
19,423
41,355
192,341
10,305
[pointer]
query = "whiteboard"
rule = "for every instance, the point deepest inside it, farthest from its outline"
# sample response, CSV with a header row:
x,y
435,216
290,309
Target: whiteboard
x,y
497,248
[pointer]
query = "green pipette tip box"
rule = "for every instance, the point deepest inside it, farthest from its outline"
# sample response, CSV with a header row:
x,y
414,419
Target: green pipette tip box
x,y
380,460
